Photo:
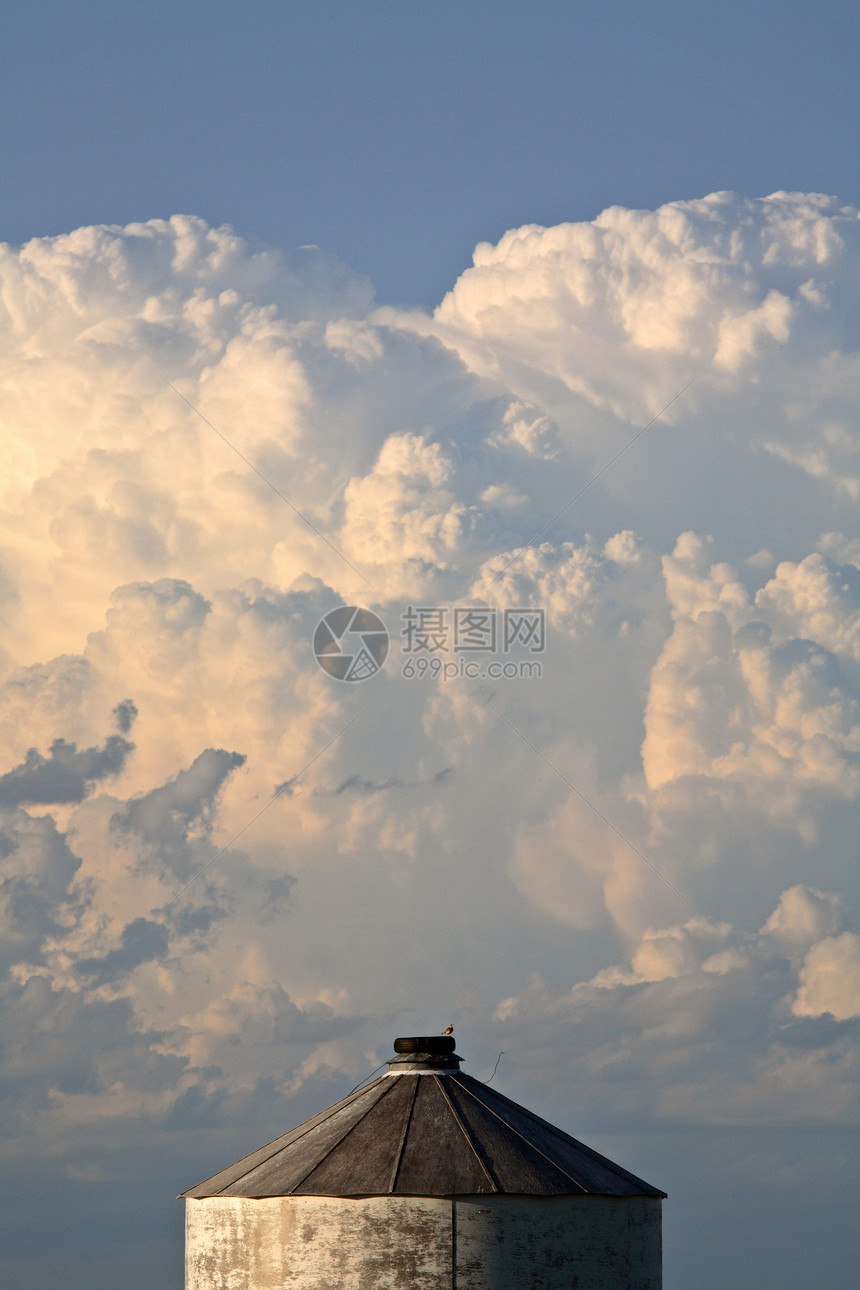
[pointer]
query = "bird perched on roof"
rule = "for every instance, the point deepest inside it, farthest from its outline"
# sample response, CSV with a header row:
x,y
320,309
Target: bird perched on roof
x,y
449,1030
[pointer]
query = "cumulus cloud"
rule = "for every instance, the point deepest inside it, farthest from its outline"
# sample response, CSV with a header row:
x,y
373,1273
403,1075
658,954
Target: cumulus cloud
x,y
142,941
39,893
162,819
818,600
65,775
830,979
633,857
802,917
705,1024
726,279
735,697
402,513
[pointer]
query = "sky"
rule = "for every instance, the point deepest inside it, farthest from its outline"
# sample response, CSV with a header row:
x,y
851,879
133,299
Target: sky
x,y
536,337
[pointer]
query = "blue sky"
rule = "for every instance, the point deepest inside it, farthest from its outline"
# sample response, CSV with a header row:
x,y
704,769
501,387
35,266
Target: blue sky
x,y
398,135
641,866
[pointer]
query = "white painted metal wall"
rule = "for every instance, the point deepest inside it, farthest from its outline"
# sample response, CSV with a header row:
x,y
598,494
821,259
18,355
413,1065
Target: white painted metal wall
x,y
492,1242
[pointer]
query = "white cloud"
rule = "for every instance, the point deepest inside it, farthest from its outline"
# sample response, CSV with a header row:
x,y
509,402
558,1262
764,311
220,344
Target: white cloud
x,y
830,979
695,1027
802,917
688,280
696,721
816,600
403,511
674,952
526,427
575,583
734,698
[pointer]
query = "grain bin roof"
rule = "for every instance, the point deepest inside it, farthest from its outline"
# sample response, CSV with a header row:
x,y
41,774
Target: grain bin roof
x,y
424,1129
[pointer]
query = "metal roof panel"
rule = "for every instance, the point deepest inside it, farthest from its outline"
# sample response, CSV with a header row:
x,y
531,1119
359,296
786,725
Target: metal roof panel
x,y
425,1129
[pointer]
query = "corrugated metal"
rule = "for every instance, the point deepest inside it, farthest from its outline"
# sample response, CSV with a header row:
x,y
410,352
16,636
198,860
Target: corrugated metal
x,y
424,1135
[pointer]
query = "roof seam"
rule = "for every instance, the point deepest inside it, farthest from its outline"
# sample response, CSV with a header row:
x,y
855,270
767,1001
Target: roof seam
x,y
398,1156
341,1139
524,1139
314,1123
462,1079
494,1182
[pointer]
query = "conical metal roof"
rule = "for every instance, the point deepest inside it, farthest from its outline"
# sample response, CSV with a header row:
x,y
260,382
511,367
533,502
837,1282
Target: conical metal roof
x,y
424,1129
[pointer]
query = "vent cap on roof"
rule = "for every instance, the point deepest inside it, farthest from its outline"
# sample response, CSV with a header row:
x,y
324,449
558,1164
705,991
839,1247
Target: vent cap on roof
x,y
426,1044
422,1054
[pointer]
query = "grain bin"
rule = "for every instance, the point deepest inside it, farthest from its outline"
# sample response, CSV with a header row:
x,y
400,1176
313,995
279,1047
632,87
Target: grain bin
x,y
424,1179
